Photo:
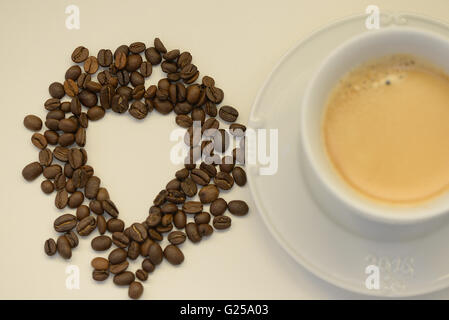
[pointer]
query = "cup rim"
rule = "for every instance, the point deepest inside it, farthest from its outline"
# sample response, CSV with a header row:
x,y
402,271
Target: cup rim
x,y
372,212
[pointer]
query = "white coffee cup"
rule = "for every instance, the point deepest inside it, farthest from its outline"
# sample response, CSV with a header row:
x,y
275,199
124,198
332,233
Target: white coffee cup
x,y
335,196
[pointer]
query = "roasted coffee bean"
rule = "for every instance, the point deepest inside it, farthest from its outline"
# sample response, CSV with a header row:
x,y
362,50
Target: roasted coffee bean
x,y
153,56
75,106
51,136
80,137
115,225
208,194
73,73
47,186
135,290
75,158
214,94
137,94
192,207
65,106
104,57
61,199
200,177
101,224
138,110
237,129
45,157
239,176
101,243
202,217
218,207
136,79
80,54
71,88
32,122
119,103
123,77
66,139
100,275
91,65
155,253
169,208
182,174
192,232
124,278
61,153
173,254
176,196
87,98
142,275
50,247
209,169
106,94
193,94
173,184
56,90
120,239
63,247
171,55
198,115
176,237
183,108
69,187
80,178
221,140
125,91
161,229
68,125
95,113
120,60
99,263
110,208
227,164
118,268
92,186
39,140
60,182
153,219
83,80
148,266
73,239
210,124
184,121
211,109
228,113
76,199
86,226
205,229
180,219
138,232
167,220
188,71
222,222
184,59
145,247
133,250
133,62
189,187
93,86
117,256
82,212
102,194
55,114
52,124
238,207
163,106
52,104
159,46
224,181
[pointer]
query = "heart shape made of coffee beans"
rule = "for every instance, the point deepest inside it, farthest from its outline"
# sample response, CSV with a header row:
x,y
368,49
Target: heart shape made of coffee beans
x,y
120,87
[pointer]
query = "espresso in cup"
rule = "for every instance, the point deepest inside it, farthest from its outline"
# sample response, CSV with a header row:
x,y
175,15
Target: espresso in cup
x,y
386,129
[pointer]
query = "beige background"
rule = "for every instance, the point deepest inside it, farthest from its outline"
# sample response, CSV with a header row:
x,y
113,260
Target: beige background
x,y
236,42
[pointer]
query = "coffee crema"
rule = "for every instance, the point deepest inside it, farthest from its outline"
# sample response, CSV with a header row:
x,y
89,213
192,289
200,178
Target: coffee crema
x,y
386,129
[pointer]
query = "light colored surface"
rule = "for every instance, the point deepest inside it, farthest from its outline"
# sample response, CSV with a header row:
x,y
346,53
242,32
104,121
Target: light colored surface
x,y
238,44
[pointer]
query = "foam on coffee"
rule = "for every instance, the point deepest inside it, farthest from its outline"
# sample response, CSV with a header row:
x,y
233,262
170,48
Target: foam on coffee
x,y
386,129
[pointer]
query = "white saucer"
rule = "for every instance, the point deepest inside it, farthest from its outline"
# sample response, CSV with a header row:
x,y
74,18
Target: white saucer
x,y
291,215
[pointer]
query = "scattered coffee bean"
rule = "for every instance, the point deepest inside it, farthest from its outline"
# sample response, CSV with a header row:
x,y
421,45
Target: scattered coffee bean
x,y
63,247
222,222
238,207
32,122
205,229
117,256
155,253
101,243
50,247
176,237
124,278
135,290
208,193
173,254
218,207
192,232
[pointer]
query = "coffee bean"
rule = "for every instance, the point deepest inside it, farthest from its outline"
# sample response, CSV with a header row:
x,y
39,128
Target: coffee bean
x,y
184,59
163,107
159,46
79,177
91,65
138,110
120,239
192,232
71,88
39,141
214,94
69,187
51,136
148,266
183,108
73,73
50,247
202,217
192,207
153,219
75,158
60,182
119,103
155,253
61,153
188,71
189,187
135,290
45,157
63,247
76,199
104,57
138,232
228,113
95,113
53,105
115,225
66,139
133,62
205,229
110,208
200,177
86,226
88,99
167,220
92,186
221,222
100,275
118,268
145,247
239,176
61,199
173,254
101,243
99,263
238,207
224,180
184,121
32,122
173,184
198,114
142,275
82,212
153,56
101,224
117,256
176,237
56,90
169,208
209,129
208,193
211,109
72,238
80,54
209,169
218,207
180,219
124,278
47,186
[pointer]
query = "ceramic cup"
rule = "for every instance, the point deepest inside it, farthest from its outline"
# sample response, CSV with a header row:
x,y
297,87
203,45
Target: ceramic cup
x,y
364,216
